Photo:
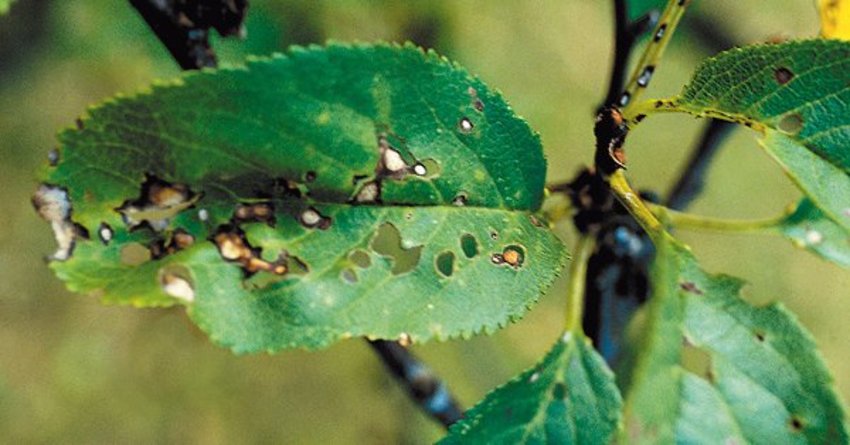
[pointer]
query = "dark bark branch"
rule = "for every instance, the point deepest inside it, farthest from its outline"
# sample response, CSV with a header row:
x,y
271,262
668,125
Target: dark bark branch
x,y
625,35
183,26
425,388
692,179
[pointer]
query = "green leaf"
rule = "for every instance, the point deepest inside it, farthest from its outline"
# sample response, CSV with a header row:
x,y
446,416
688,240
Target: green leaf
x,y
796,94
568,398
714,369
4,6
637,8
810,229
355,190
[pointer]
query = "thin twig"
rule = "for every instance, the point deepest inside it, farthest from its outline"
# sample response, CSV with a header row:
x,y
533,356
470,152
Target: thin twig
x,y
183,26
645,69
625,35
692,179
425,388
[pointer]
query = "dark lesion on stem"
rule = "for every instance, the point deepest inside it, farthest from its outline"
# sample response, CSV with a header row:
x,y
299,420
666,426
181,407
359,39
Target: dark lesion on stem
x,y
426,389
611,129
626,34
690,183
183,26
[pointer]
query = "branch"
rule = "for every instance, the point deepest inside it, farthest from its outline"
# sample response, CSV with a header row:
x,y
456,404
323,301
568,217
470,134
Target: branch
x,y
625,35
425,388
692,179
183,26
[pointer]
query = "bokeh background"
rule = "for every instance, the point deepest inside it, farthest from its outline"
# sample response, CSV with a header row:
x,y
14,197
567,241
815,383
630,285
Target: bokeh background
x,y
74,371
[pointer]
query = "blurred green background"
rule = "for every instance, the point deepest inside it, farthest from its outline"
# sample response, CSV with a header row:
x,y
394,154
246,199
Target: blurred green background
x,y
74,371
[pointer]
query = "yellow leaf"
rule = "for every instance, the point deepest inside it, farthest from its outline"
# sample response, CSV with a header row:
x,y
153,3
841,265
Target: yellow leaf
x,y
835,18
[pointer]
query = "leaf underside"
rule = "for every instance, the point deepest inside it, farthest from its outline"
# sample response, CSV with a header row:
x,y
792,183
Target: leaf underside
x,y
354,190
568,398
714,369
810,229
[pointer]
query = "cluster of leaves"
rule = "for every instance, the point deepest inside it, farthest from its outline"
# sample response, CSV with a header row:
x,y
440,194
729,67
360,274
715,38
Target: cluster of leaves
x,y
382,191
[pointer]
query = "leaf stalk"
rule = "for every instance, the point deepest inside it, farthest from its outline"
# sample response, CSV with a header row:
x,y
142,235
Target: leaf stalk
x,y
576,289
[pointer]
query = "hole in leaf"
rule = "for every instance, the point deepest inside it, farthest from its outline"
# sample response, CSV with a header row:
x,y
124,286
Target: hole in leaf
x,y
446,263
360,258
54,206
369,192
177,241
427,168
53,157
696,360
465,125
348,275
469,245
388,242
134,254
233,247
791,124
312,219
783,75
310,176
158,202
176,282
559,391
760,336
104,231
461,199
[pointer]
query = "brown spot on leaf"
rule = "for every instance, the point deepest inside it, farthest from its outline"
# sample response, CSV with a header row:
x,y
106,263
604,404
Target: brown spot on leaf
x,y
791,123
783,75
796,424
158,202
690,287
233,247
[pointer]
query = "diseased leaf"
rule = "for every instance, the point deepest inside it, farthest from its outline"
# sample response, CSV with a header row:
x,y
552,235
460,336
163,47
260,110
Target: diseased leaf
x,y
714,369
568,398
835,18
810,229
340,191
796,94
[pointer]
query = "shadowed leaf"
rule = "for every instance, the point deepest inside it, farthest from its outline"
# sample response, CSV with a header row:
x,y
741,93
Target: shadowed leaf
x,y
568,398
714,369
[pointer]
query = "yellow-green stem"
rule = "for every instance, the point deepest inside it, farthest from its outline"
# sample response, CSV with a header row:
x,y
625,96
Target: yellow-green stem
x,y
652,54
631,200
696,222
576,289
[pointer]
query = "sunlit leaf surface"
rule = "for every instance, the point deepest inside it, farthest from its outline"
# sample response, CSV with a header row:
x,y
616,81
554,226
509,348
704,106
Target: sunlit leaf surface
x,y
342,191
